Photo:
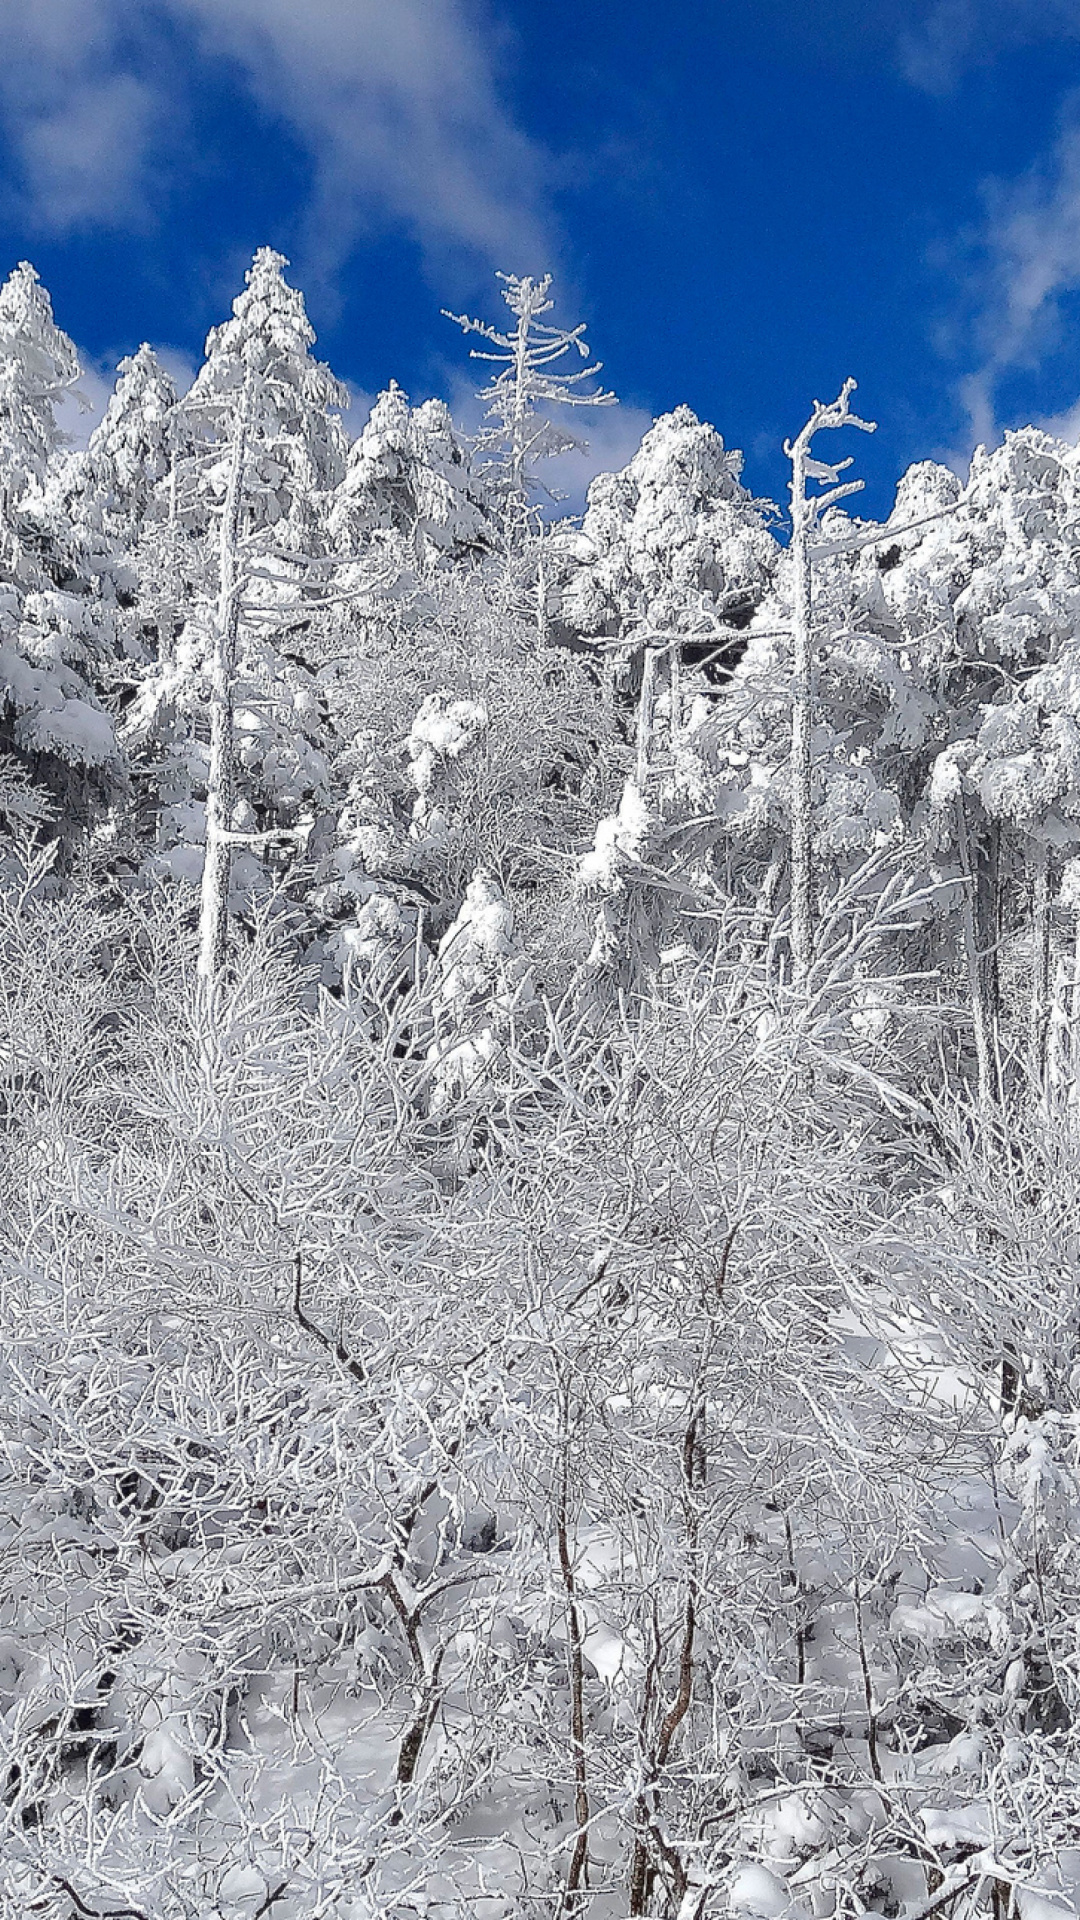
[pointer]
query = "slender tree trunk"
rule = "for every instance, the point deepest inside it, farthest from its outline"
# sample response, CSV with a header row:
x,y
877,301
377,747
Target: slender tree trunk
x,y
1039,1005
646,704
675,696
541,600
980,1013
1057,1029
517,504
988,915
1073,1019
648,1825
754,945
805,517
802,924
577,1875
221,779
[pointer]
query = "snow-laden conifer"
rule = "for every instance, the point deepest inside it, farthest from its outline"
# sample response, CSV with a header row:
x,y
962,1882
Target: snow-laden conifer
x,y
674,544
267,449
129,463
410,474
296,444
57,609
38,366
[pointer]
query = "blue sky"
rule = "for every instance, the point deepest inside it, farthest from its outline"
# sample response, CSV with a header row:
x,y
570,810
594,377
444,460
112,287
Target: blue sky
x,y
745,199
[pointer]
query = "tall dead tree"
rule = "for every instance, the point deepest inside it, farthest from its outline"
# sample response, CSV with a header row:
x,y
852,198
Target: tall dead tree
x,y
221,777
805,516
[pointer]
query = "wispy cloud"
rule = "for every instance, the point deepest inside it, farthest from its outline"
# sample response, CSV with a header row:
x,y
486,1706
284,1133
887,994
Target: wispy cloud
x,y
77,116
951,36
1027,262
400,110
612,435
397,103
80,410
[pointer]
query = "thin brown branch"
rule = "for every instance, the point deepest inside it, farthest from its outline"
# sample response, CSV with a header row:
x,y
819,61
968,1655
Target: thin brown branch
x,y
341,1354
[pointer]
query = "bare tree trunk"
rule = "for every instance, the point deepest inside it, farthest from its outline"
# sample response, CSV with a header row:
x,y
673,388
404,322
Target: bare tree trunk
x,y
980,1013
757,935
648,1827
805,516
1057,1029
1073,1022
802,928
1039,1005
578,1870
675,696
646,703
221,779
541,601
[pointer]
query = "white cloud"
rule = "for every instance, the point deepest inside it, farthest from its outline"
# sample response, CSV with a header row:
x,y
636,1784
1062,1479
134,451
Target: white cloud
x,y
396,102
77,119
1027,261
399,108
88,155
180,366
933,53
954,35
354,417
79,411
614,435
1065,425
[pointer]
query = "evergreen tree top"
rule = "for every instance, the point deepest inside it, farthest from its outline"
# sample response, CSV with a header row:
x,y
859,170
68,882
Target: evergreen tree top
x,y
269,335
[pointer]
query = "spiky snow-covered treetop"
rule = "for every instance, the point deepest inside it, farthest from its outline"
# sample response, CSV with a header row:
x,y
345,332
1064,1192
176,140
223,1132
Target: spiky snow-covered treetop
x,y
1017,628
260,410
57,632
409,473
132,450
298,445
38,365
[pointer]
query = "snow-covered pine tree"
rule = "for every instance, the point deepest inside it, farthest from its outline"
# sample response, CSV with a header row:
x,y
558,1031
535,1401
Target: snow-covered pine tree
x,y
57,620
111,508
268,450
1020,771
950,621
672,544
297,445
38,366
673,558
132,454
410,475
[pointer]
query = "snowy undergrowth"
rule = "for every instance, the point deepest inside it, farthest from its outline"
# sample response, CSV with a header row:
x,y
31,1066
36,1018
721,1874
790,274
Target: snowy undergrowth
x,y
403,1517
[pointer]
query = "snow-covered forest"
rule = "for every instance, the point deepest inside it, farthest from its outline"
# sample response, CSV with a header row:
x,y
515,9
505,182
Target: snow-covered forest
x,y
540,1114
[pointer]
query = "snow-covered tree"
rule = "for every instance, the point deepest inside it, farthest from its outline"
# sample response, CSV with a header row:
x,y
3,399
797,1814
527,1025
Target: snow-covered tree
x,y
520,397
480,986
506,1408
410,474
297,446
268,451
674,544
133,453
38,366
806,512
57,626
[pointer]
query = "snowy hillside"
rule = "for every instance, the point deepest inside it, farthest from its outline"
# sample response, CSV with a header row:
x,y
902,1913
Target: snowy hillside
x,y
539,1157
